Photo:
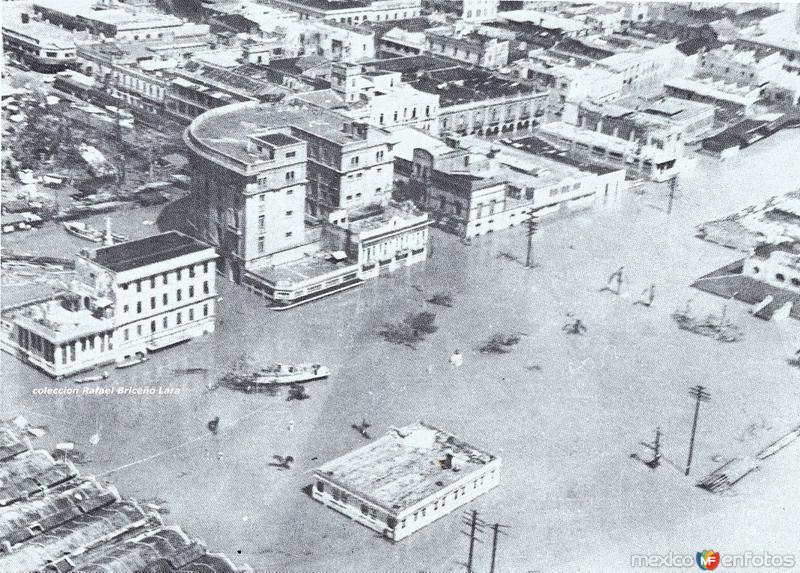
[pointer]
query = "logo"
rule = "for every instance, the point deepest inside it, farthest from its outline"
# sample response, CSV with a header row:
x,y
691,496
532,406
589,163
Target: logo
x,y
707,559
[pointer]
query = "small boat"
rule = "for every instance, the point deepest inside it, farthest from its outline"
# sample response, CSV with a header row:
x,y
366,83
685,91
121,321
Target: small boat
x,y
132,361
87,233
90,379
269,378
291,374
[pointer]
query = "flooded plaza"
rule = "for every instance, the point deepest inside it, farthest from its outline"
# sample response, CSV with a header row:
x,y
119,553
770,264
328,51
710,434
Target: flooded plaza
x,y
564,412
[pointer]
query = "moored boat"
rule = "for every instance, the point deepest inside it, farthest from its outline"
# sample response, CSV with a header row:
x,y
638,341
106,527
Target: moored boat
x,y
132,361
90,379
84,231
291,373
269,378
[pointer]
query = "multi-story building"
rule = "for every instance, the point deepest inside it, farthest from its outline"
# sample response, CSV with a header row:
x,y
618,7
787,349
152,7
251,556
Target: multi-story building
x,y
738,67
468,46
469,10
121,22
643,159
406,479
473,187
259,170
777,265
42,46
379,98
474,101
352,11
335,41
128,299
201,87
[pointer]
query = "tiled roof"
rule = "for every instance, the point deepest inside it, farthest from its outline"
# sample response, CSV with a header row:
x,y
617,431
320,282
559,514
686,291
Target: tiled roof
x,y
53,520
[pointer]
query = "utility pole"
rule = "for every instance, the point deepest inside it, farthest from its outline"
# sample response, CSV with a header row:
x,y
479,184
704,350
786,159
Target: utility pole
x,y
673,182
700,394
473,526
656,448
533,226
495,534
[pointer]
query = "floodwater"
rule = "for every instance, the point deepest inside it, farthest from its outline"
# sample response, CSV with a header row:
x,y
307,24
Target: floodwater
x,y
564,412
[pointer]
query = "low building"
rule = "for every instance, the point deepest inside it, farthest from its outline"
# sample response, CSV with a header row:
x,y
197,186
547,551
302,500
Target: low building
x,y
128,299
639,159
729,98
667,123
41,46
121,21
352,11
468,46
406,479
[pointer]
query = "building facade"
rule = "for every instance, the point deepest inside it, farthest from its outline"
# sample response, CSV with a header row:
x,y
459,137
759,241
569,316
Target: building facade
x,y
406,480
43,47
471,47
355,12
128,299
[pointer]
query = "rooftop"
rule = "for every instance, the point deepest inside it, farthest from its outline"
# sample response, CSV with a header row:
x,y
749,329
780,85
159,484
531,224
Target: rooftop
x,y
460,85
225,130
57,520
278,139
405,466
330,4
308,268
150,250
120,15
405,211
542,148
46,34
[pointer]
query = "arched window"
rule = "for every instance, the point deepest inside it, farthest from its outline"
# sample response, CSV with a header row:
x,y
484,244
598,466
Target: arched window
x,y
427,111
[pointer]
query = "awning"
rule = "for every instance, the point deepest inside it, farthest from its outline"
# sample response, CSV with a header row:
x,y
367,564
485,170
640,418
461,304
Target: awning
x,y
339,256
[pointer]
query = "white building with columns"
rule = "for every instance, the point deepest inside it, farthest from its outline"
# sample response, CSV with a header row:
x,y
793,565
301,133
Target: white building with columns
x,y
128,299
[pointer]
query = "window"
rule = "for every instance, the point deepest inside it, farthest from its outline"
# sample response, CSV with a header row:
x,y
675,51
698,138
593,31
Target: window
x,y
138,330
205,267
178,295
381,119
779,277
262,223
152,302
354,160
191,272
364,509
126,334
379,156
261,244
152,326
152,282
191,314
165,322
165,299
291,154
288,234
289,213
290,175
178,274
205,310
138,286
191,291
125,308
205,287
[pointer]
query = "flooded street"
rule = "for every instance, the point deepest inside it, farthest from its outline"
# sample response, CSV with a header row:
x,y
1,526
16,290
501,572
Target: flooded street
x,y
574,408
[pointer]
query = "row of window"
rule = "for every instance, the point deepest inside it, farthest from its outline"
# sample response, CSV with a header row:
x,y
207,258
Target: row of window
x,y
165,298
164,322
179,274
396,116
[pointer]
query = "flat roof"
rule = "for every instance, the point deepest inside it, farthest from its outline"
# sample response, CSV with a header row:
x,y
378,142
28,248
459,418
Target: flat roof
x,y
150,250
460,85
308,268
405,466
278,139
226,130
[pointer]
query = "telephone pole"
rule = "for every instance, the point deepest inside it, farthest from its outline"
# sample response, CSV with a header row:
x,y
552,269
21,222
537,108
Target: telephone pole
x,y
700,394
533,226
474,525
495,534
672,184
